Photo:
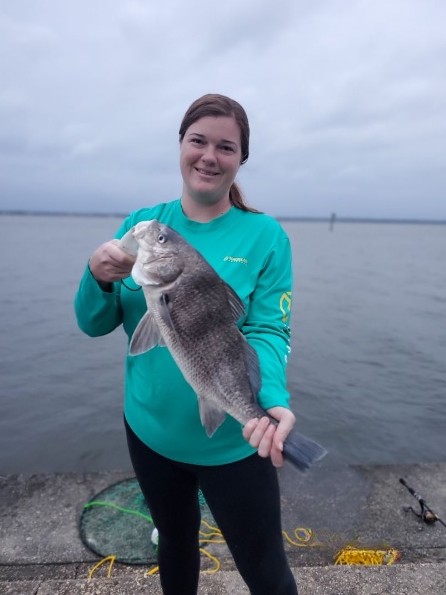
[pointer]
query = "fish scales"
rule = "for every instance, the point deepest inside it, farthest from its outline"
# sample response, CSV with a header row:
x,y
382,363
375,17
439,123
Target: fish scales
x,y
208,346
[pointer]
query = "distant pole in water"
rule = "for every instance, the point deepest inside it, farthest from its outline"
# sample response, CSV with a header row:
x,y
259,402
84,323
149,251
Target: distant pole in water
x,y
332,221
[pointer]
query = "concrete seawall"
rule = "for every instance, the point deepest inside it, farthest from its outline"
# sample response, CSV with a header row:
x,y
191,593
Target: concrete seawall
x,y
41,552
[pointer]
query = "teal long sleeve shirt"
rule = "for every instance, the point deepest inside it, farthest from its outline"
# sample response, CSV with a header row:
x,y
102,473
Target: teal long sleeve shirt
x,y
251,252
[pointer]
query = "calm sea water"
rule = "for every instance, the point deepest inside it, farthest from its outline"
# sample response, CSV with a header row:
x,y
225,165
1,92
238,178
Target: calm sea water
x,y
367,370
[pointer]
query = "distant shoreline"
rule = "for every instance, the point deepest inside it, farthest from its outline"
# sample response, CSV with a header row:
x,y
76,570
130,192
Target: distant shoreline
x,y
296,218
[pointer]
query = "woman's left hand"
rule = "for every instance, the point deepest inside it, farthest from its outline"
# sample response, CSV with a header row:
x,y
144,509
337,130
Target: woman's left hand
x,y
267,437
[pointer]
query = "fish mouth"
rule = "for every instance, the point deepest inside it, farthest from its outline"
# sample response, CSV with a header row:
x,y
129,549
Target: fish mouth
x,y
154,259
144,274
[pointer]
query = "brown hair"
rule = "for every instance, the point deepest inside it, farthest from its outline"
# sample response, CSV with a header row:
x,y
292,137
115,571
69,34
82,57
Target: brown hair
x,y
215,105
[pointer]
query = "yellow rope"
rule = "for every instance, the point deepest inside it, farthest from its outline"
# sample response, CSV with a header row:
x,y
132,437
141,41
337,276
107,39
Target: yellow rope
x,y
110,559
303,538
214,535
366,557
214,532
214,559
152,571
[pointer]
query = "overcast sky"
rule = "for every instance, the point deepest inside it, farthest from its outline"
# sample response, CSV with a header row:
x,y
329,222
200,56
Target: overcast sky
x,y
346,101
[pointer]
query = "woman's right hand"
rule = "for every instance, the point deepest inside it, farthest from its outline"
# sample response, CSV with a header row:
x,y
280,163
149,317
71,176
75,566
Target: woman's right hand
x,y
110,263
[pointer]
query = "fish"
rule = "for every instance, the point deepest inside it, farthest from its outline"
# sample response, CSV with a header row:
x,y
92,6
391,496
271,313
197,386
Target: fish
x,y
193,312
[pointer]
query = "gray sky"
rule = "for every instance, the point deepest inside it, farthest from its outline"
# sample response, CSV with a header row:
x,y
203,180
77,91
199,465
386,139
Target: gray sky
x,y
346,101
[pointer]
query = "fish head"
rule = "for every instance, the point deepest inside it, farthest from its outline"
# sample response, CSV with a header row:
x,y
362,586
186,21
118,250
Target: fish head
x,y
160,257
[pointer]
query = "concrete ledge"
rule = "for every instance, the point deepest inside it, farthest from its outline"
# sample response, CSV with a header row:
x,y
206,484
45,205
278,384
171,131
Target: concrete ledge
x,y
41,552
407,579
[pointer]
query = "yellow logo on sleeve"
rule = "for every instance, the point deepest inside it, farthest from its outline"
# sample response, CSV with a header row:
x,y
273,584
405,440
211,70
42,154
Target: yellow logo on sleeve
x,y
285,305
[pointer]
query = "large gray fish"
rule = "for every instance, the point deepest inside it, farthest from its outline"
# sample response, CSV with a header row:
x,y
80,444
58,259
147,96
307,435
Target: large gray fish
x,y
193,312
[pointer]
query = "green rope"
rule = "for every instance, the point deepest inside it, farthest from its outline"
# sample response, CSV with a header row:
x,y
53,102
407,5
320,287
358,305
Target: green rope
x,y
120,508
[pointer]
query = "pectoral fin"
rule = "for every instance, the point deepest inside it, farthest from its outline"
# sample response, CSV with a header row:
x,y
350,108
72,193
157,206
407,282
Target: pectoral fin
x,y
211,416
146,336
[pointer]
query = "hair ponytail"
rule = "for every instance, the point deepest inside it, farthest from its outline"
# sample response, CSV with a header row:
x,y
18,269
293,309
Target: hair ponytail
x,y
236,199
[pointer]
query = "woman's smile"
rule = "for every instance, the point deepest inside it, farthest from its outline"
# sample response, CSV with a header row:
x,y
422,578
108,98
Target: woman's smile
x,y
205,172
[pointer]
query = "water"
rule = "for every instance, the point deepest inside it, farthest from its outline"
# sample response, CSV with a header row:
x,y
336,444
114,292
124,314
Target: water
x,y
367,370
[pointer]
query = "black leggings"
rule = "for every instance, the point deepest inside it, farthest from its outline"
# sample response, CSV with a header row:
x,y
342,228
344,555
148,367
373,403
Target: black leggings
x,y
245,502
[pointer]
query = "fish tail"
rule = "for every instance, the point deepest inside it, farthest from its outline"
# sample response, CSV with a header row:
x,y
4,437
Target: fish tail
x,y
302,451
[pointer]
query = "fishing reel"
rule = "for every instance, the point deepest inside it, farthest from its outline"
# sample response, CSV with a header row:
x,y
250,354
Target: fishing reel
x,y
426,514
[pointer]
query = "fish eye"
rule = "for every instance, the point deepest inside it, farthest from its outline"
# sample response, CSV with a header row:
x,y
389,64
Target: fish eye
x,y
162,238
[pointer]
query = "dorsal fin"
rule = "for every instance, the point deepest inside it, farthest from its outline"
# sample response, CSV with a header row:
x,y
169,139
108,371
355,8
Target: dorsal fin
x,y
253,367
237,306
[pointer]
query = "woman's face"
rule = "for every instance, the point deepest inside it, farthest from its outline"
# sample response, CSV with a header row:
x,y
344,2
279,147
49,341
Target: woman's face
x,y
210,155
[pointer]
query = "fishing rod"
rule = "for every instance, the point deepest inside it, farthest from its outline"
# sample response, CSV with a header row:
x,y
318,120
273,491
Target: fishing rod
x,y
426,513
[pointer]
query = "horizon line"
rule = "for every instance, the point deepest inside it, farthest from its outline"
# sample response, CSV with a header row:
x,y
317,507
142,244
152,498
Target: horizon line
x,y
332,218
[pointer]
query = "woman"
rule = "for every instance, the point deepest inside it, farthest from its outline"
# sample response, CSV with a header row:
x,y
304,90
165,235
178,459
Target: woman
x,y
170,451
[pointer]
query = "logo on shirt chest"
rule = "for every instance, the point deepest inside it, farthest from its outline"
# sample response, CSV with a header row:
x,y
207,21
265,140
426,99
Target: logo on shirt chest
x,y
236,259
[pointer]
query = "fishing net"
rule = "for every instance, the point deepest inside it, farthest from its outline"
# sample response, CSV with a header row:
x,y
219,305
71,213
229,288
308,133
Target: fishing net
x,y
117,522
